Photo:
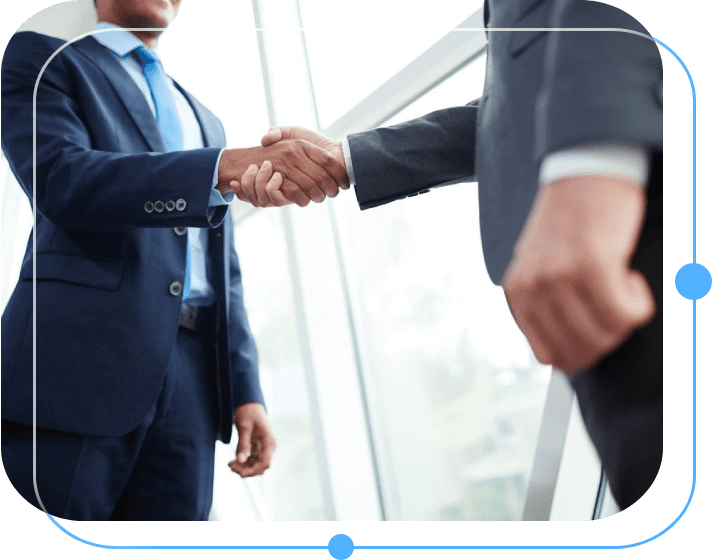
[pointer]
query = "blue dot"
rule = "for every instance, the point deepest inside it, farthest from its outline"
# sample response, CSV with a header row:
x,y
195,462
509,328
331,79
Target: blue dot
x,y
341,547
693,281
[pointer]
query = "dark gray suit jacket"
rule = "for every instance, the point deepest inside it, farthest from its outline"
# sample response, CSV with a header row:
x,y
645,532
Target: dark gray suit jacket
x,y
544,91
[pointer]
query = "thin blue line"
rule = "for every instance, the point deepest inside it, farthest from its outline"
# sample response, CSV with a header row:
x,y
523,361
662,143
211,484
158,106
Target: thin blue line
x,y
115,547
694,150
519,547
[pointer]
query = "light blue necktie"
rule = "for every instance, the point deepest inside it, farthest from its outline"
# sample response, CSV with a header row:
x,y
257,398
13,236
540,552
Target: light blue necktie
x,y
168,122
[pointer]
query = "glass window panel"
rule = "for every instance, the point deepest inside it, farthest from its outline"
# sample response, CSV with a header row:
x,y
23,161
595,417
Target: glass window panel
x,y
354,47
290,488
463,86
201,51
458,394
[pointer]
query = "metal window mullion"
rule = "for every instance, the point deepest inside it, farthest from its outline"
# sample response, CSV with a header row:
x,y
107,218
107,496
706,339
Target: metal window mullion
x,y
444,58
305,346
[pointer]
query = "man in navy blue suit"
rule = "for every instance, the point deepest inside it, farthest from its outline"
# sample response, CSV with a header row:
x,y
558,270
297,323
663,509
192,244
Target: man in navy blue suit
x,y
566,145
144,355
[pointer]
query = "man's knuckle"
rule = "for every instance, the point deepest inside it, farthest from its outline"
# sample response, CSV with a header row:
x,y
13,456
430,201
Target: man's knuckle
x,y
529,284
541,356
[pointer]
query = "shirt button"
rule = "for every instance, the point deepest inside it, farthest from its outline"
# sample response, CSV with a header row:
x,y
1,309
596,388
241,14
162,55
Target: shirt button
x,y
170,205
180,230
148,207
176,288
181,204
158,206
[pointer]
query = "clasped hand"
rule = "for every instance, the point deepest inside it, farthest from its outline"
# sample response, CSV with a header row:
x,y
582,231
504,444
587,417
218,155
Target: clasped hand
x,y
296,165
570,285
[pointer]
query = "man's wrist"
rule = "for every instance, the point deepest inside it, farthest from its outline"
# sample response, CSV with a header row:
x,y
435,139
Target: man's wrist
x,y
219,195
233,163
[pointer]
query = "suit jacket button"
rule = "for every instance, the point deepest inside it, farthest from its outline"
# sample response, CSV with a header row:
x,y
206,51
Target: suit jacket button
x,y
158,206
181,204
170,205
180,230
176,288
148,207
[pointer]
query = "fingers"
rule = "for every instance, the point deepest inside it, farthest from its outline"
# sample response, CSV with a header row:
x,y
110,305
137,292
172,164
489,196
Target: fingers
x,y
530,326
247,183
293,193
236,187
264,175
278,190
256,443
572,320
274,193
327,162
307,175
261,187
634,298
320,149
258,459
292,171
290,159
576,341
244,445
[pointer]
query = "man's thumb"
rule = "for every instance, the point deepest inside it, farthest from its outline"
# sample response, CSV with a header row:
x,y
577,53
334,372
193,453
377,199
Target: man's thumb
x,y
244,441
640,300
273,135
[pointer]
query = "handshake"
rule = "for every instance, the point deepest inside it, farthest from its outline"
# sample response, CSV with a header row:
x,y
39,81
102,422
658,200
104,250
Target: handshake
x,y
295,165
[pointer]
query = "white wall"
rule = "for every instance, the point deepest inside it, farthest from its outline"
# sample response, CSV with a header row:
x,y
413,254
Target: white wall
x,y
66,19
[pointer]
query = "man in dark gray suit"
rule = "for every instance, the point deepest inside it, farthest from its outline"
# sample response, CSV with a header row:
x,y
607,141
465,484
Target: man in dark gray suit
x,y
566,145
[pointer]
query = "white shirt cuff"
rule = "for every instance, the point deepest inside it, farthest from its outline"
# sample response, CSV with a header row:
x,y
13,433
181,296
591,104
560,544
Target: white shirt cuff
x,y
347,158
622,161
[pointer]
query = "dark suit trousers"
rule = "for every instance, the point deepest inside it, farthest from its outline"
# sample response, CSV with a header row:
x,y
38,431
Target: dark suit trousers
x,y
621,398
161,470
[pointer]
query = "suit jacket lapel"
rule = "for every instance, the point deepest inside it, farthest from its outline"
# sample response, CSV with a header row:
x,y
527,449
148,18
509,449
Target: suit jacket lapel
x,y
126,89
213,135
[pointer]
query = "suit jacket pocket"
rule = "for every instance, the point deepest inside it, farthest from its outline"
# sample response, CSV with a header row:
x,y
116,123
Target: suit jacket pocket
x,y
76,269
535,16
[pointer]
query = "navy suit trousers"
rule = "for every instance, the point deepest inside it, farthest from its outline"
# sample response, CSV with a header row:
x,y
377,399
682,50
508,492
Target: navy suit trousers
x,y
162,470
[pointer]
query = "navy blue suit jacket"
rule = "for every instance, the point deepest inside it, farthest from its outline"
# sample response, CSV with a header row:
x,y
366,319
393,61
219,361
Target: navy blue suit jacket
x,y
106,319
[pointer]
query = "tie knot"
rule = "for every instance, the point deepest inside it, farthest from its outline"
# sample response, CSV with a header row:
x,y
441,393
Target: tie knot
x,y
146,55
